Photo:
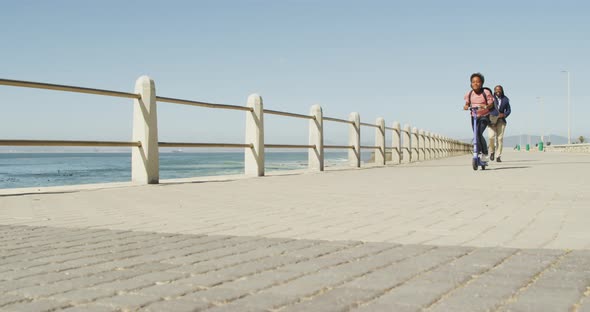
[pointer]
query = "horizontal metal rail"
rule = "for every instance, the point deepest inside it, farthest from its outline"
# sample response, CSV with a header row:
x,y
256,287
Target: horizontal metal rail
x,y
371,147
339,146
202,104
66,143
405,131
394,129
274,112
49,86
180,144
391,148
369,125
288,146
339,120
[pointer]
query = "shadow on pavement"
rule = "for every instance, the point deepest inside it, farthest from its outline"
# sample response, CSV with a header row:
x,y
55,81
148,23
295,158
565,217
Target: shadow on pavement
x,y
503,168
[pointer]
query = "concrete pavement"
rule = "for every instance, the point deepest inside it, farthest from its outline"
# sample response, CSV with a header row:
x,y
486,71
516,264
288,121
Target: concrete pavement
x,y
428,236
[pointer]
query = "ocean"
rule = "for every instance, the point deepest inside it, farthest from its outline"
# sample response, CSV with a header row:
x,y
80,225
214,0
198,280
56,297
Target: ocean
x,y
19,170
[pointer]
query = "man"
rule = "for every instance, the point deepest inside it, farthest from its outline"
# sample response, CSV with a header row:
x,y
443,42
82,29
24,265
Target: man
x,y
496,131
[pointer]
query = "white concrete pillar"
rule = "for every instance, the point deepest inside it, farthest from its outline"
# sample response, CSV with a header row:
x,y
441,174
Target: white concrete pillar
x,y
427,145
380,141
145,162
396,144
406,144
316,137
438,146
422,145
254,156
354,140
415,145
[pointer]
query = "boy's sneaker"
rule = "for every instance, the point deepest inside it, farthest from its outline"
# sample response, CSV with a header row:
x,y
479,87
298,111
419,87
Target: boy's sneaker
x,y
498,159
492,156
484,158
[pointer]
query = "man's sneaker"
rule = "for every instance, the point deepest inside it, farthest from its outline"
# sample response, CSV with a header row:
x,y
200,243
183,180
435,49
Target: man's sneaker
x,y
498,159
492,156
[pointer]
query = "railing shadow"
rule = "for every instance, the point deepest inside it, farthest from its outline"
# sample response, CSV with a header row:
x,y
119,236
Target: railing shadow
x,y
508,168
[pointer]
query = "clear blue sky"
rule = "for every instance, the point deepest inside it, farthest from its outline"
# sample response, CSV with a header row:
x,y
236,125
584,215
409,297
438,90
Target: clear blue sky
x,y
406,61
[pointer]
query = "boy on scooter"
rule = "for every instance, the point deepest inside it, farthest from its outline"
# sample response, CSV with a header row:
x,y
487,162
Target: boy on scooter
x,y
483,99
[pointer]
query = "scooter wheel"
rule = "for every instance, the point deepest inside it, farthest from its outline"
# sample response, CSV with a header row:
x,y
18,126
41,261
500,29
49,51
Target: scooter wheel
x,y
474,164
483,167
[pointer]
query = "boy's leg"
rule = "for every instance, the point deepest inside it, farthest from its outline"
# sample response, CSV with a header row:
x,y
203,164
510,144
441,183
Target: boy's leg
x,y
482,124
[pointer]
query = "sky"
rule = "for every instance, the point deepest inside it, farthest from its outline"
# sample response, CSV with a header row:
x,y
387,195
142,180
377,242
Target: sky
x,y
405,61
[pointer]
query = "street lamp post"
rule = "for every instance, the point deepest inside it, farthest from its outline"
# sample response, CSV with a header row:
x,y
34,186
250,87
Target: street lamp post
x,y
540,98
569,136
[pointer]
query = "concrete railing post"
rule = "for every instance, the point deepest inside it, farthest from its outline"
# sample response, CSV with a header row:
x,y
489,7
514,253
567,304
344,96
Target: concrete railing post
x,y
145,162
396,144
316,137
406,145
254,155
354,140
380,158
421,143
433,146
415,145
427,145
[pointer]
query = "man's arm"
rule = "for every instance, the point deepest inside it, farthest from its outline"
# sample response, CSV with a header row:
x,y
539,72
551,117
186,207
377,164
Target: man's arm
x,y
507,109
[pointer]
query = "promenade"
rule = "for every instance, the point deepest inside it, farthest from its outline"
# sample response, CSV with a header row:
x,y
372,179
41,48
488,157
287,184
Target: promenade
x,y
426,236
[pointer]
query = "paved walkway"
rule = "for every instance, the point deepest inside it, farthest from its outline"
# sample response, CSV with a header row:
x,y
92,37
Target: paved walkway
x,y
432,236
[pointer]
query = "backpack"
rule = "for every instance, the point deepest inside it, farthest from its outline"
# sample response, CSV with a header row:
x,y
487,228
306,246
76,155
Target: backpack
x,y
494,111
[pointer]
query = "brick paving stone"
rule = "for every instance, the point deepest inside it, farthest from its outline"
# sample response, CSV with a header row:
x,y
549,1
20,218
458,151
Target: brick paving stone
x,y
124,285
78,296
261,280
127,301
9,286
6,299
338,299
216,295
169,290
176,305
35,305
88,308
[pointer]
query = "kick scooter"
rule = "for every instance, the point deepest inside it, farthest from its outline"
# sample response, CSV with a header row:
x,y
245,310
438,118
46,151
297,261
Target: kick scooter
x,y
476,161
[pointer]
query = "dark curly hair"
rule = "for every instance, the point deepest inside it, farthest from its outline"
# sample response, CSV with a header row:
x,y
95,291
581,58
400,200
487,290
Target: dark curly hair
x,y
480,75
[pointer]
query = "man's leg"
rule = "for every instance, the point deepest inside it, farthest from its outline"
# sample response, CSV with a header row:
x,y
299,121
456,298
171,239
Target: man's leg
x,y
492,137
501,126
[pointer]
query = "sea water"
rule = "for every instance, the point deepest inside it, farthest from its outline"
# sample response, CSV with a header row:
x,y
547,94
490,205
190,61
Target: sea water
x,y
51,169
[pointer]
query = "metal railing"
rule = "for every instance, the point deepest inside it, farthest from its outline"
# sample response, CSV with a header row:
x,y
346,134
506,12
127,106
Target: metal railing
x,y
338,120
57,87
274,112
406,144
202,104
68,143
